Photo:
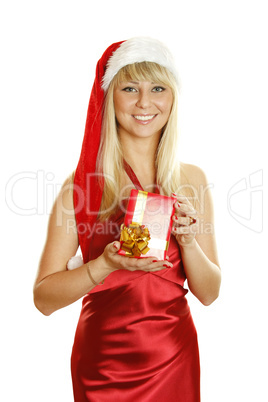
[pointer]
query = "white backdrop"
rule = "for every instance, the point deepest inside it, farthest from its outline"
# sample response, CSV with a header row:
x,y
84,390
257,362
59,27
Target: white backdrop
x,y
49,51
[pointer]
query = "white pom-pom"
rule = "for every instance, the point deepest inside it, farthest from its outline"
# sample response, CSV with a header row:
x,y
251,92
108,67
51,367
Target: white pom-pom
x,y
75,262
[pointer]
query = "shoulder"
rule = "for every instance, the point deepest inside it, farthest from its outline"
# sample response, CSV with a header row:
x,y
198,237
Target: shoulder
x,y
192,174
63,208
68,183
62,240
194,184
66,192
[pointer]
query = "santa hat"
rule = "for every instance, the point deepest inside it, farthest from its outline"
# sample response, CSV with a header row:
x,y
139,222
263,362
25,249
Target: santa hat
x,y
136,50
87,188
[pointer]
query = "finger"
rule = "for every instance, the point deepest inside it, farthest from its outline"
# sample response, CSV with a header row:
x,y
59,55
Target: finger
x,y
153,262
115,246
147,264
183,205
183,199
184,209
156,267
178,230
185,221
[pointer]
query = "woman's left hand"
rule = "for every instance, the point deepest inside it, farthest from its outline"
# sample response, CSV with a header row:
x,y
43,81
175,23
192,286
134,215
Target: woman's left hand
x,y
185,223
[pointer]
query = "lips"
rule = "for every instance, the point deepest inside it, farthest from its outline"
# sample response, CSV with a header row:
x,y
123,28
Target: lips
x,y
144,117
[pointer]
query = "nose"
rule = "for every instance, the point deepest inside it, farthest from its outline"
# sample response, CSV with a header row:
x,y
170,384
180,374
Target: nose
x,y
144,100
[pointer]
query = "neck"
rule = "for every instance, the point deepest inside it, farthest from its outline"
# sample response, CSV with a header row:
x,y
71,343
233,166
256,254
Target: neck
x,y
140,154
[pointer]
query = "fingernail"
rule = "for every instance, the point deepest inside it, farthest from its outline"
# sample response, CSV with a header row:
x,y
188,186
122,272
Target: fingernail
x,y
165,265
155,260
115,246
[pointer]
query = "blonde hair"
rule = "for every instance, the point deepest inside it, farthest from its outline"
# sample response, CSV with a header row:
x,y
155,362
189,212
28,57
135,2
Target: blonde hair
x,y
110,156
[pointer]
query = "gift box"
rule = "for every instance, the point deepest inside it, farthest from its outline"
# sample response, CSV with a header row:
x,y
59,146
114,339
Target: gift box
x,y
147,225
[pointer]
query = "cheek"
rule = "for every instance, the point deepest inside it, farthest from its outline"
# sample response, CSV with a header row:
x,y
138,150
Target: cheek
x,y
116,105
121,105
166,109
166,104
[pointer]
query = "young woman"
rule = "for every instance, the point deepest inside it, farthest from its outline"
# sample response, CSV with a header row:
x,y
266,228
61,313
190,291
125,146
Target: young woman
x,y
135,339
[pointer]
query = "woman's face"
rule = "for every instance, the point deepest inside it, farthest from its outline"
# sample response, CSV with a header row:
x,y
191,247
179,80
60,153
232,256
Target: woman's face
x,y
142,108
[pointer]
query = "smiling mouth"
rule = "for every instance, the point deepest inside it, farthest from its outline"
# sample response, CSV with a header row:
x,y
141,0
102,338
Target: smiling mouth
x,y
144,117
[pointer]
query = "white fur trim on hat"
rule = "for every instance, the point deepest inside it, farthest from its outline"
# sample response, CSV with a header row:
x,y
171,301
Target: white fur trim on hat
x,y
137,50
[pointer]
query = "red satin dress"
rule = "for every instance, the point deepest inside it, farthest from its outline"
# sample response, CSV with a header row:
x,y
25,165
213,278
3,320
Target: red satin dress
x,y
135,339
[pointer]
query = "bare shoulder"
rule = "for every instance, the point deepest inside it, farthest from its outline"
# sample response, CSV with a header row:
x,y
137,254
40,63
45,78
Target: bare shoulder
x,y
65,197
200,195
192,174
194,179
63,217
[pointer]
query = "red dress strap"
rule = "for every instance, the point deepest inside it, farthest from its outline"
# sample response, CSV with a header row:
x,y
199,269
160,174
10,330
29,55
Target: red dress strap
x,y
134,179
132,176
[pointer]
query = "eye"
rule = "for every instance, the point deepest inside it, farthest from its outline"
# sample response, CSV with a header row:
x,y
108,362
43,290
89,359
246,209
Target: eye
x,y
129,89
158,89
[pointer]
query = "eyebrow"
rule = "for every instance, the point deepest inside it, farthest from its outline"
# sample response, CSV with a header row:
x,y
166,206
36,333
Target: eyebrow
x,y
136,82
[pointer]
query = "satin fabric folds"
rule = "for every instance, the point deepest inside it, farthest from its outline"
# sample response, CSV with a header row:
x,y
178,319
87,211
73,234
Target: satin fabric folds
x,y
135,339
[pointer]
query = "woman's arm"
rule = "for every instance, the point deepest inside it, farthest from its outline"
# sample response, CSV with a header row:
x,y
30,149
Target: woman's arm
x,y
197,241
55,287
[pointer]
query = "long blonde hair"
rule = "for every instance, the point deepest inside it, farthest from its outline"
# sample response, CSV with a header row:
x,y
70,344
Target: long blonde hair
x,y
110,156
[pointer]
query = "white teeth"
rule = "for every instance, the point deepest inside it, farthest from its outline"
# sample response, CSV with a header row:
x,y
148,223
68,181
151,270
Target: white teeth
x,y
144,118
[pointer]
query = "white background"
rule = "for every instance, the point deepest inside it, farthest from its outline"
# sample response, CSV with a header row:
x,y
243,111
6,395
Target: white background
x,y
49,51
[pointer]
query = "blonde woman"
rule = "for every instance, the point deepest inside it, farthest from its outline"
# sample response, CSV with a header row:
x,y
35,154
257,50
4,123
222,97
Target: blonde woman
x,y
135,339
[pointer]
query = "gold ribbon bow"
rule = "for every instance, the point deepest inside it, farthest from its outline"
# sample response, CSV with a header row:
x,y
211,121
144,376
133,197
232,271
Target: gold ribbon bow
x,y
134,239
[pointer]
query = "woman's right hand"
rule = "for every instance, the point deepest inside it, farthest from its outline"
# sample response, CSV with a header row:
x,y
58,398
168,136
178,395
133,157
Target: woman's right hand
x,y
114,261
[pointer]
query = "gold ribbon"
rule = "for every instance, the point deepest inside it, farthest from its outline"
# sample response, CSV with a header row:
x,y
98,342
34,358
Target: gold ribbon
x,y
134,239
140,207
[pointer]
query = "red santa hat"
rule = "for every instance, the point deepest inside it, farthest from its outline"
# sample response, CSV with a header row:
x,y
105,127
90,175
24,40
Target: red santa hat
x,y
136,50
87,185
